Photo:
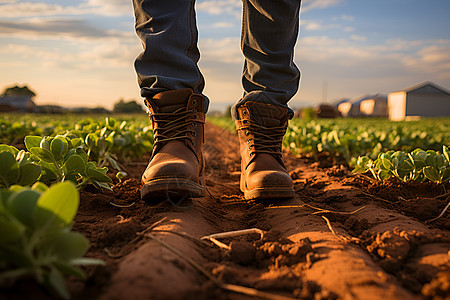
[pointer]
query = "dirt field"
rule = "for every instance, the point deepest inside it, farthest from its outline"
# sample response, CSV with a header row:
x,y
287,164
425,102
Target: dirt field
x,y
342,237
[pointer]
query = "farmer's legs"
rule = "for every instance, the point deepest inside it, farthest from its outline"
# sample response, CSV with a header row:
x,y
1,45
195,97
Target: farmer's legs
x,y
172,85
269,34
168,32
270,79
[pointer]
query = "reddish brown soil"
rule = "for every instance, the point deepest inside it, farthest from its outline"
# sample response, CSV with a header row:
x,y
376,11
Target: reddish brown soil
x,y
384,250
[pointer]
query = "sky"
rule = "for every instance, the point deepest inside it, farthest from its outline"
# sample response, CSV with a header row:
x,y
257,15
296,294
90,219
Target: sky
x,y
81,52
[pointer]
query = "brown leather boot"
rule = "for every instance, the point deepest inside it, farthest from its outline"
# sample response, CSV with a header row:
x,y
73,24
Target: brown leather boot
x,y
261,128
176,167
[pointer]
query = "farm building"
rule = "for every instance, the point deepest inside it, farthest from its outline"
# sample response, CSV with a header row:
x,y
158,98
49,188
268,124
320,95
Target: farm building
x,y
423,100
21,103
374,106
365,106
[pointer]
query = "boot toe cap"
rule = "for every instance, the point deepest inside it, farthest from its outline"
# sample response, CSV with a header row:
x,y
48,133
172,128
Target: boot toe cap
x,y
265,179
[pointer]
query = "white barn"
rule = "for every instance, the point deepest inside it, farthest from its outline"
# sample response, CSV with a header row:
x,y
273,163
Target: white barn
x,y
423,100
374,106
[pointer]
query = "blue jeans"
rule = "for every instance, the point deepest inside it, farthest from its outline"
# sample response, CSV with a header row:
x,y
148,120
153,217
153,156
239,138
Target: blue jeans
x,y
168,31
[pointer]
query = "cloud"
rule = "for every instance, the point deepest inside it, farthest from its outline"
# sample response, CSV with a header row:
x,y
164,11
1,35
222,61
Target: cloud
x,y
431,59
110,7
308,5
317,25
55,29
347,18
223,25
221,7
14,9
226,50
358,38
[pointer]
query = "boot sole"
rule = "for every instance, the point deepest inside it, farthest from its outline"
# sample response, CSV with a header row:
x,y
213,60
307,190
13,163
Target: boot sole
x,y
171,189
269,193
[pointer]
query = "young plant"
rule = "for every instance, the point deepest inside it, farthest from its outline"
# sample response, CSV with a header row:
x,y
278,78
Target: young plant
x,y
16,167
62,159
35,236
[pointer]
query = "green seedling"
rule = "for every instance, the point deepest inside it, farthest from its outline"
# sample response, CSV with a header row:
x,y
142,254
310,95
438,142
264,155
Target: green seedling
x,y
62,158
16,167
35,236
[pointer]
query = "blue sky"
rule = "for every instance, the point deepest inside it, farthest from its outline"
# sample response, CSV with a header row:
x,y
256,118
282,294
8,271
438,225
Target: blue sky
x,y
81,52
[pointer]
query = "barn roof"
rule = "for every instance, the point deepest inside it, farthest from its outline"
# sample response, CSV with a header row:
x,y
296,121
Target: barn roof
x,y
426,84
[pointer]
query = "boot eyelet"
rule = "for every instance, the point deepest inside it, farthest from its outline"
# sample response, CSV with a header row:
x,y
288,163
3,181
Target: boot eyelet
x,y
193,143
247,133
249,148
244,112
194,125
194,102
248,141
194,117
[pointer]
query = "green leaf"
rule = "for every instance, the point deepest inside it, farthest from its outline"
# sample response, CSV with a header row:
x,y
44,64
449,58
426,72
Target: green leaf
x,y
23,205
383,175
446,153
431,174
91,140
97,175
9,168
59,147
440,161
29,173
68,245
32,141
446,175
43,154
62,200
45,144
11,149
67,268
40,187
10,229
75,164
56,282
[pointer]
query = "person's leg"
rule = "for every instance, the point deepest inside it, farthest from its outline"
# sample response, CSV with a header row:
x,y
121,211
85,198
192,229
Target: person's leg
x,y
270,79
169,35
172,86
269,34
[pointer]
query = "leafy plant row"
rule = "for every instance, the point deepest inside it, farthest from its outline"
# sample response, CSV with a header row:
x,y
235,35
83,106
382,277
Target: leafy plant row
x,y
350,138
418,165
105,139
49,160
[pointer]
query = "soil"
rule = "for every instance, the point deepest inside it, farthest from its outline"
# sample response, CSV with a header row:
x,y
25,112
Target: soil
x,y
343,236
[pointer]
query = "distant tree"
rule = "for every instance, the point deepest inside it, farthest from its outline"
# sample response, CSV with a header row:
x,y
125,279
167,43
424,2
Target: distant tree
x,y
19,91
127,107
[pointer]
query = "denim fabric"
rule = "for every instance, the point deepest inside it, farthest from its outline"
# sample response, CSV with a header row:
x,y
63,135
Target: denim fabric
x,y
169,35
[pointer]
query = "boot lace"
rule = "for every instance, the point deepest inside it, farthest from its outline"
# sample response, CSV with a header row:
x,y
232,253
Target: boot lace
x,y
173,126
265,139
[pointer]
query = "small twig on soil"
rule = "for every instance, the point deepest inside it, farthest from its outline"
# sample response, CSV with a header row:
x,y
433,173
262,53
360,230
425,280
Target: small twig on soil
x,y
122,206
341,237
443,195
182,234
319,210
213,237
113,255
230,287
378,198
441,214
